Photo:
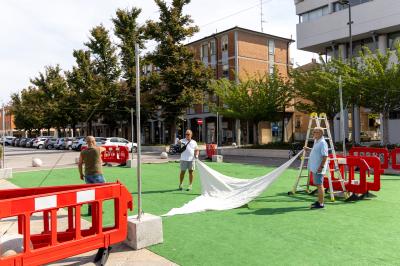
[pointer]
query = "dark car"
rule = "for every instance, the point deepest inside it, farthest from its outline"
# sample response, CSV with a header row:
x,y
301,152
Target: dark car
x,y
14,142
22,142
29,142
49,143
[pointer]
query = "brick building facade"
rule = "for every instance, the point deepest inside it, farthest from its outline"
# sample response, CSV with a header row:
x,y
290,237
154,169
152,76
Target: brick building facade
x,y
237,54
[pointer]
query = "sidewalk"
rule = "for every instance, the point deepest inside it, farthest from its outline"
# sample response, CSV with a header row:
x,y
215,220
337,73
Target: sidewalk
x,y
121,255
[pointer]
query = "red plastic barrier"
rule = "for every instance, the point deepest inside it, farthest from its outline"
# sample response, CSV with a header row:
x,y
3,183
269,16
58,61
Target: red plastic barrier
x,y
395,164
211,149
358,186
53,243
114,154
381,153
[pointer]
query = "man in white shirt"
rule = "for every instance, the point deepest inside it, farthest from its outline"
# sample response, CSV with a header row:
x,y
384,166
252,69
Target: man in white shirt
x,y
188,157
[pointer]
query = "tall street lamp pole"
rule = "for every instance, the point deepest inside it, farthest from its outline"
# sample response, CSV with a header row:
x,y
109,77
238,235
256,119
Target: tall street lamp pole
x,y
354,108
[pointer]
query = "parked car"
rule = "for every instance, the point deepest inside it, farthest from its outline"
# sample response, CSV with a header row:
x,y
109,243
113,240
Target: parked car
x,y
99,141
59,144
22,142
114,141
14,142
68,143
29,142
49,143
38,143
8,140
77,143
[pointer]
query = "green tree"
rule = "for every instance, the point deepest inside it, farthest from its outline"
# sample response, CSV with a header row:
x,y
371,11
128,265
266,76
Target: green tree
x,y
106,72
53,87
317,90
257,99
28,109
181,80
84,93
128,31
380,80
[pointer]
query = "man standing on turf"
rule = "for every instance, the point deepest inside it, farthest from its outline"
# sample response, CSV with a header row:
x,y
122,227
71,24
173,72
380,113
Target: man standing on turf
x,y
188,156
317,164
91,158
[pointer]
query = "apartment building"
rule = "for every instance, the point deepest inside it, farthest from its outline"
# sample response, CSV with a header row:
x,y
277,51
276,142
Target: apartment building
x,y
236,54
9,126
323,28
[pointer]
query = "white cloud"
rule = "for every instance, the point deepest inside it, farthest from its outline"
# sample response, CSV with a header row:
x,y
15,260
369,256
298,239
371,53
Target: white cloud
x,y
39,33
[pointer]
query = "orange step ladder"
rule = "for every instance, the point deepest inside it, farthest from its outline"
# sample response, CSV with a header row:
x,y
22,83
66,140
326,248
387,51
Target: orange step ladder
x,y
52,244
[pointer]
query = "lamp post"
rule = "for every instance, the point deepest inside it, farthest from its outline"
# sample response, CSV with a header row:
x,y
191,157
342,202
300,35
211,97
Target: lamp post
x,y
354,107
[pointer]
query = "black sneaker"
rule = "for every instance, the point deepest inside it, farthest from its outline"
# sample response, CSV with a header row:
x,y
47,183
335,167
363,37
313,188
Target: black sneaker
x,y
317,205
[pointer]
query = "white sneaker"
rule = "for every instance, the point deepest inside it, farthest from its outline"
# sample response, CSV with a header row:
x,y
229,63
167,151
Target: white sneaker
x,y
189,188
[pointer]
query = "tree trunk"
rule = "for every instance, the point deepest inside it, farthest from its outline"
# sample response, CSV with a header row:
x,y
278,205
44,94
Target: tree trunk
x,y
255,133
385,126
172,132
73,126
238,137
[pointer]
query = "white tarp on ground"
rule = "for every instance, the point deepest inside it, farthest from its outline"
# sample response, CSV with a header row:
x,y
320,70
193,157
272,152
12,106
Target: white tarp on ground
x,y
221,192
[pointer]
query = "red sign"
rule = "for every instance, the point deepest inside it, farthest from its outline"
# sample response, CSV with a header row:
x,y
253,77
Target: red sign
x,y
199,121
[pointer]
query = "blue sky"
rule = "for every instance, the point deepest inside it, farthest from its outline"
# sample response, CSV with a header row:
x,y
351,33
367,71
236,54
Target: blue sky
x,y
45,32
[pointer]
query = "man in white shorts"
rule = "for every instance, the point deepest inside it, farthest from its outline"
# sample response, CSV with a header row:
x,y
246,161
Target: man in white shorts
x,y
188,157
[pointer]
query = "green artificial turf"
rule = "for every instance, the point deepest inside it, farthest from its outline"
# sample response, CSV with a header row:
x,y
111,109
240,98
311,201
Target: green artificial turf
x,y
274,229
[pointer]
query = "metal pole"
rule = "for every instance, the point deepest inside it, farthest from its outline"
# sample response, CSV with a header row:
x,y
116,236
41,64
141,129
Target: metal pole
x,y
342,129
217,131
4,139
132,131
139,148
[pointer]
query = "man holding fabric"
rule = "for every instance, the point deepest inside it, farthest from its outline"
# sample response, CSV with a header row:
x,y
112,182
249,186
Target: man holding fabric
x,y
317,164
189,154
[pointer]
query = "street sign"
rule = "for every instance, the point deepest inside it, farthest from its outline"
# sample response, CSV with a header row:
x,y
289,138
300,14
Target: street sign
x,y
199,121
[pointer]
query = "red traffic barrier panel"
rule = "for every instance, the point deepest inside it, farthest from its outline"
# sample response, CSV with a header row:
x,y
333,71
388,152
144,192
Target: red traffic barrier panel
x,y
381,153
53,243
211,149
114,154
360,185
375,166
394,153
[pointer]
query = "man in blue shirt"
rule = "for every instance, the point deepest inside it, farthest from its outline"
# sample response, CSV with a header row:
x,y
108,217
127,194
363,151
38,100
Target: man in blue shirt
x,y
317,164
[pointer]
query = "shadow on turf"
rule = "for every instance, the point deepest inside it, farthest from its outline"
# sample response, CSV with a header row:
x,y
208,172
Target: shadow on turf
x,y
176,191
274,211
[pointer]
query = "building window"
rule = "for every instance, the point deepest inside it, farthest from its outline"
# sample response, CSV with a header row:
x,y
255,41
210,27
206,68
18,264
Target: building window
x,y
338,6
314,14
394,39
394,115
190,110
204,54
224,43
271,69
213,54
271,47
225,71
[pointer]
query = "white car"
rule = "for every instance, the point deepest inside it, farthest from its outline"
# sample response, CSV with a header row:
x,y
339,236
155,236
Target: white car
x,y
115,141
38,143
77,143
7,141
99,142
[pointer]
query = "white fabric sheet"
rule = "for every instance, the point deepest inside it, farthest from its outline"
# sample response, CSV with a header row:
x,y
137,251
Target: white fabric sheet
x,y
221,192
